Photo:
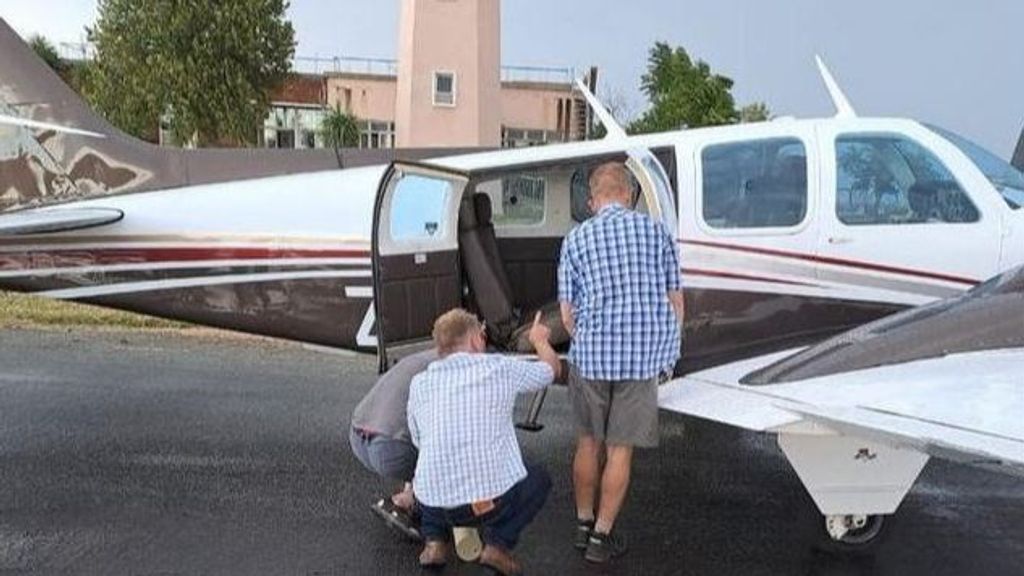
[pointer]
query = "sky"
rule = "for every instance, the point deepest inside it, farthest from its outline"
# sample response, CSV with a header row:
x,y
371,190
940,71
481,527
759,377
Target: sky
x,y
949,62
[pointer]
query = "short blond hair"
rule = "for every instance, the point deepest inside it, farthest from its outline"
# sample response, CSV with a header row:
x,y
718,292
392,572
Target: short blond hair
x,y
611,179
452,328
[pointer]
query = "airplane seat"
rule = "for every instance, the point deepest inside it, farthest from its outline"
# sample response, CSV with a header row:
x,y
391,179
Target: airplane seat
x,y
489,284
923,201
485,272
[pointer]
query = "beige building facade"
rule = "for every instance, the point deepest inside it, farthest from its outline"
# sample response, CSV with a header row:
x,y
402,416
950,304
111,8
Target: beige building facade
x,y
446,89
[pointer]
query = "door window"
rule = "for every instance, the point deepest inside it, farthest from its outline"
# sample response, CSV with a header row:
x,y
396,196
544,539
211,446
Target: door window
x,y
888,179
755,184
418,208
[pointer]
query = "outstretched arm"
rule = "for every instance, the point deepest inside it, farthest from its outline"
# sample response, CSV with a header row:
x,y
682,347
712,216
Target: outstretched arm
x,y
540,337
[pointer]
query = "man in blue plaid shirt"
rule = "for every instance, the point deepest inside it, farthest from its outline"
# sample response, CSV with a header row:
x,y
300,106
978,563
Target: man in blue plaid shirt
x,y
621,298
470,471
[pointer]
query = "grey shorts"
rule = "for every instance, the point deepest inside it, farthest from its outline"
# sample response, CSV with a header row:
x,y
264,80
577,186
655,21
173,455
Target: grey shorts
x,y
620,413
385,457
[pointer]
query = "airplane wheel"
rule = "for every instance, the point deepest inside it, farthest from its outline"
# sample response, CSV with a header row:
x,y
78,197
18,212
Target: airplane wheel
x,y
853,533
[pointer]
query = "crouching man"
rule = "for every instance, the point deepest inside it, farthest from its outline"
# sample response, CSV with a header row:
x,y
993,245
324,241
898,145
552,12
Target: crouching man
x,y
379,437
470,471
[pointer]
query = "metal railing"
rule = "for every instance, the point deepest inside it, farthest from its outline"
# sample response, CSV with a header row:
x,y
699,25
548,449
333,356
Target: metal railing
x,y
389,67
541,74
345,64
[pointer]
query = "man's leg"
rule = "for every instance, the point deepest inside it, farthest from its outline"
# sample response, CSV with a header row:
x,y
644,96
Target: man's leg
x,y
614,485
395,459
517,508
434,526
585,475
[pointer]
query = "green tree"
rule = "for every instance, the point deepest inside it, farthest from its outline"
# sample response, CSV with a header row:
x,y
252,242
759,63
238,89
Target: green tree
x,y
339,129
683,93
45,50
207,66
756,112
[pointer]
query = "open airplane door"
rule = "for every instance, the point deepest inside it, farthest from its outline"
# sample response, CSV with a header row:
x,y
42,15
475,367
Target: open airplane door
x,y
416,273
655,183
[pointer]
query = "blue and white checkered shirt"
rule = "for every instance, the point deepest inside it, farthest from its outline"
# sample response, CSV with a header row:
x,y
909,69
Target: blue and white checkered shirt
x,y
460,417
616,270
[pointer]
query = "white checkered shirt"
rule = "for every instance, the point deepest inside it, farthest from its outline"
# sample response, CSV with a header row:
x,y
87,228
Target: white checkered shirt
x,y
616,270
460,417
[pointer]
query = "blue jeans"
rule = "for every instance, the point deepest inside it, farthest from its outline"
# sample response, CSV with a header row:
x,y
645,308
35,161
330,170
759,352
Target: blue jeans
x,y
502,526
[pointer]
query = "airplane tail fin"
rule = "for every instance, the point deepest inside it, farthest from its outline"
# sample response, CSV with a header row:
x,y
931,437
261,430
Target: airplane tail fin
x,y
50,152
1018,155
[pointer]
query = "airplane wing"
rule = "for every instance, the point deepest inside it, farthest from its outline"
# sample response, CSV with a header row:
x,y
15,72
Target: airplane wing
x,y
945,379
963,407
50,220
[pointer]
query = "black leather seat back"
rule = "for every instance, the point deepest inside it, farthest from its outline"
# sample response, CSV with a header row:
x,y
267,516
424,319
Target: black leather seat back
x,y
484,269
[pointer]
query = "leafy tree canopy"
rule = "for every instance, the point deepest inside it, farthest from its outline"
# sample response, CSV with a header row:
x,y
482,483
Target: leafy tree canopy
x,y
45,50
686,93
756,112
339,129
206,67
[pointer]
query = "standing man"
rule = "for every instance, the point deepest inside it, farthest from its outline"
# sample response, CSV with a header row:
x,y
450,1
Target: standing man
x,y
380,440
621,299
470,470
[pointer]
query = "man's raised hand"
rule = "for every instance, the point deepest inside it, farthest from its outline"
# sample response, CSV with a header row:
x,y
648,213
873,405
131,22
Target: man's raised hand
x,y
539,333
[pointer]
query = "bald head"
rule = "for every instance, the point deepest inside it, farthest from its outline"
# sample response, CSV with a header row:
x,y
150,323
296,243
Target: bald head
x,y
610,183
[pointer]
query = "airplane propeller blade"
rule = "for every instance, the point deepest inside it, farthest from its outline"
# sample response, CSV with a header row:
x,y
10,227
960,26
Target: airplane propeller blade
x,y
26,123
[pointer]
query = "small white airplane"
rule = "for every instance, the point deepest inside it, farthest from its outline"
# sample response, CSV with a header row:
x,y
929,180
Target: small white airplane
x,y
789,231
859,415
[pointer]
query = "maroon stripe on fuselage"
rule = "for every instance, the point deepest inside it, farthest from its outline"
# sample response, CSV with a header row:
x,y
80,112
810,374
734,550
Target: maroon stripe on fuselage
x,y
832,261
734,276
108,256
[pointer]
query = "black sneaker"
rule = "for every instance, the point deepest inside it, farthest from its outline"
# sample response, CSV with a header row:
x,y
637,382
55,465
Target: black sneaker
x,y
583,530
397,519
603,547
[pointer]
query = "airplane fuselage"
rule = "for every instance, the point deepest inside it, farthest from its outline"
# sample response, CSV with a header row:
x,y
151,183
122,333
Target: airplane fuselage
x,y
785,233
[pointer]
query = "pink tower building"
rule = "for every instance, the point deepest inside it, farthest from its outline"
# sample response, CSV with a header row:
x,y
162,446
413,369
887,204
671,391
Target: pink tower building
x,y
449,89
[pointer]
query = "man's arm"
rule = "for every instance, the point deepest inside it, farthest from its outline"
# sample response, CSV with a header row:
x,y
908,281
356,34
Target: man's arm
x,y
678,304
568,318
566,289
540,337
673,279
410,416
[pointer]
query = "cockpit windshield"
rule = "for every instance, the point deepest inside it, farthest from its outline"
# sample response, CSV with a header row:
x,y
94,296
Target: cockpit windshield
x,y
1008,180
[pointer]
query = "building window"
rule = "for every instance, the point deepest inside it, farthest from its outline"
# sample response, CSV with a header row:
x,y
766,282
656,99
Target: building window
x,y
755,184
522,138
374,134
285,139
444,89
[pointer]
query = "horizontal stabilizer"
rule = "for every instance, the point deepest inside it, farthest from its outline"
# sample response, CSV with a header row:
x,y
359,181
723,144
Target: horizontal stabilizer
x,y
26,123
51,220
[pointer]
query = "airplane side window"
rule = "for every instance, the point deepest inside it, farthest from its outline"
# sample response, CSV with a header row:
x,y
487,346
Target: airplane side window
x,y
755,184
517,200
891,180
418,206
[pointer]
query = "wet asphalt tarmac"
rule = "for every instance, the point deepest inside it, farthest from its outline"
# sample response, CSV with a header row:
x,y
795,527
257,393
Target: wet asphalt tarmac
x,y
128,453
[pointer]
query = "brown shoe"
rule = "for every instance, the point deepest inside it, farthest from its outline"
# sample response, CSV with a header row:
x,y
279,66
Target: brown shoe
x,y
434,555
500,560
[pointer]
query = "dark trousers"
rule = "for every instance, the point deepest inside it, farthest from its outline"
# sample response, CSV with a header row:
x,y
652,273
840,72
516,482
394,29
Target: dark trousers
x,y
502,526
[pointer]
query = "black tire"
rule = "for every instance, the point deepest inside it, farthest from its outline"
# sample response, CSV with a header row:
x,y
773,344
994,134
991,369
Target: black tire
x,y
858,540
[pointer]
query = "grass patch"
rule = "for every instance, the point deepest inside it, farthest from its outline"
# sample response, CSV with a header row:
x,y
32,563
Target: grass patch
x,y
22,311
